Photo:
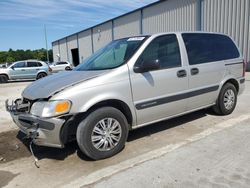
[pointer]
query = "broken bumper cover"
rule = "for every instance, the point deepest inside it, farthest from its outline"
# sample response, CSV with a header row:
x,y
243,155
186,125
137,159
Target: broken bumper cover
x,y
43,131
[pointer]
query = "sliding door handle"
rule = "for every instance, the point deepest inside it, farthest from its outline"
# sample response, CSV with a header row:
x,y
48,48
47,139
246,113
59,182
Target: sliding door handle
x,y
194,71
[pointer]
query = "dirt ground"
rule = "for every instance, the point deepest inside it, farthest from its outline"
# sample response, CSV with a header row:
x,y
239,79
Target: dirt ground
x,y
12,147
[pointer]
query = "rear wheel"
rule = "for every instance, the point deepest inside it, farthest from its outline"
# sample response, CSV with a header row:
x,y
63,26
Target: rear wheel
x,y
67,68
3,79
227,100
41,75
102,133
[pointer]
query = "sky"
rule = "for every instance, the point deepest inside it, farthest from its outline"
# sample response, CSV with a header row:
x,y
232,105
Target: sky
x,y
22,21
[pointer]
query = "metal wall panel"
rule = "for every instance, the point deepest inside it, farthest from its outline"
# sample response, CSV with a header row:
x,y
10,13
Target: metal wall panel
x,y
128,25
171,15
85,44
55,49
231,17
72,43
102,35
63,50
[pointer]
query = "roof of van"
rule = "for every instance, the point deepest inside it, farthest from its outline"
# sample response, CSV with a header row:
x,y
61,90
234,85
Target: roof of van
x,y
181,32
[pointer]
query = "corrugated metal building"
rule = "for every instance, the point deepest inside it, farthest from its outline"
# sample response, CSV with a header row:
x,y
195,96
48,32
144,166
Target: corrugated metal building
x,y
231,17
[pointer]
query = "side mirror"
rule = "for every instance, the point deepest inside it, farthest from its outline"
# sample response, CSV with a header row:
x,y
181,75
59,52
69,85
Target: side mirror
x,y
12,67
147,66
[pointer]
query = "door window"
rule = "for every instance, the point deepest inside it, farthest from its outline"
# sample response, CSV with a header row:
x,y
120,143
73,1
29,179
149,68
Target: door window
x,y
32,64
61,63
39,64
19,65
163,49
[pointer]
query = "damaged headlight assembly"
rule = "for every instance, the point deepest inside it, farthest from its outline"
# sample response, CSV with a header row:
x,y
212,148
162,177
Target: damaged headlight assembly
x,y
50,108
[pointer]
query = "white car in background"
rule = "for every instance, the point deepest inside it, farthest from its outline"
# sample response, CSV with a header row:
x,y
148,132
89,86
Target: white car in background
x,y
60,66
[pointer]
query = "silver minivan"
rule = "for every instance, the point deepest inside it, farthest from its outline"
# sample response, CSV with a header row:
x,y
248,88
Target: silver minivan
x,y
130,83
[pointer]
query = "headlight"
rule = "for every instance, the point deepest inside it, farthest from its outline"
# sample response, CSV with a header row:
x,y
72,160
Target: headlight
x,y
50,108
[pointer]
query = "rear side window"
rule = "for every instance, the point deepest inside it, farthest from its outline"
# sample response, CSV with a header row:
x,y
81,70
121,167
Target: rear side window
x,y
39,64
32,64
165,49
62,63
205,48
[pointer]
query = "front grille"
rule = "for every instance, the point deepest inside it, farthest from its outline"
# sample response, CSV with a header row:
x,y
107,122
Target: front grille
x,y
23,105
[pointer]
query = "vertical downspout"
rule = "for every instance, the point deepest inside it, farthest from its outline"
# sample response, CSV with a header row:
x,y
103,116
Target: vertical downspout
x,y
141,22
199,16
77,40
59,58
67,49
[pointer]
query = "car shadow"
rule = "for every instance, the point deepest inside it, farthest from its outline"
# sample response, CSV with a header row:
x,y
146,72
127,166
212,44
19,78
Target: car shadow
x,y
164,125
72,147
19,81
42,152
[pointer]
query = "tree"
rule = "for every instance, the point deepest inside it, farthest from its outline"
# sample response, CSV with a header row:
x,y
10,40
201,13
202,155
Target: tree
x,y
10,59
18,55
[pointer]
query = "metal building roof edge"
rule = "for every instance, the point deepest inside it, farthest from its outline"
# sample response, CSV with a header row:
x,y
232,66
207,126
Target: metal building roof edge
x,y
112,19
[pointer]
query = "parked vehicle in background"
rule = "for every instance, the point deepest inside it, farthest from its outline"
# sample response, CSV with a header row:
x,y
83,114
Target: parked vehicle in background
x,y
28,69
4,65
60,66
130,83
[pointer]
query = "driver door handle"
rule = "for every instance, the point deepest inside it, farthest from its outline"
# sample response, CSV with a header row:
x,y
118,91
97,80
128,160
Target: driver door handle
x,y
181,73
22,69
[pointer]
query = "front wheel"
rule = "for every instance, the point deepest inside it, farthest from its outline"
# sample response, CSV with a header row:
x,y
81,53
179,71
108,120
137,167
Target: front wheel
x,y
227,100
102,133
3,79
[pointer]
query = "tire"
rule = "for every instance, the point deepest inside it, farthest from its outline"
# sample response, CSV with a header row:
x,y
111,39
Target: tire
x,y
67,68
41,75
3,79
227,100
90,129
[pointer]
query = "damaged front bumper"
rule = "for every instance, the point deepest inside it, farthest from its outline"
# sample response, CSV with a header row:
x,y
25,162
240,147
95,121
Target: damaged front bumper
x,y
43,131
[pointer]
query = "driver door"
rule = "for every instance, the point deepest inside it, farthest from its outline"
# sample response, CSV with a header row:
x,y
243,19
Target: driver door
x,y
18,70
158,94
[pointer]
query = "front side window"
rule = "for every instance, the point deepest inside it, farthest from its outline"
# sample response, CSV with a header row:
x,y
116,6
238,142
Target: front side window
x,y
205,47
163,49
113,55
19,65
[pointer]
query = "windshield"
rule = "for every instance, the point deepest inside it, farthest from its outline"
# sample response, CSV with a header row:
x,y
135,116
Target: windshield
x,y
113,55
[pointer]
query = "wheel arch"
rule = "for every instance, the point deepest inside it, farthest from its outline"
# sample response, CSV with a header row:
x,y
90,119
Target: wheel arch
x,y
232,81
118,104
41,71
69,129
4,74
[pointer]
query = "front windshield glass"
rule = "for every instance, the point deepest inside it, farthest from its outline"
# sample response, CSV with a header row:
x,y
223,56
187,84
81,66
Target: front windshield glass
x,y
113,55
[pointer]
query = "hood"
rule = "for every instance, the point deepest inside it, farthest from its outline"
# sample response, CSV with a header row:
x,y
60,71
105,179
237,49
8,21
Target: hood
x,y
49,85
